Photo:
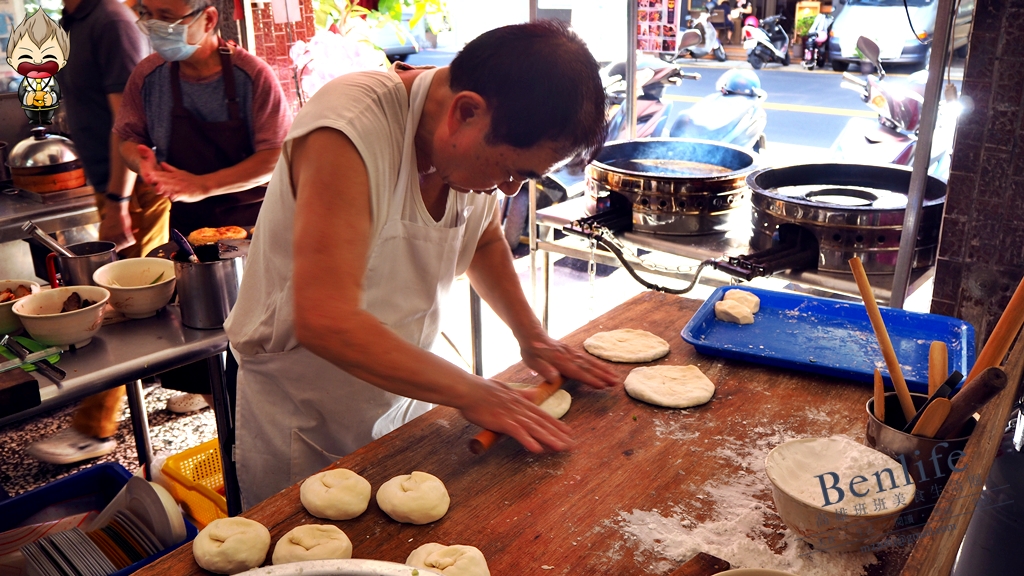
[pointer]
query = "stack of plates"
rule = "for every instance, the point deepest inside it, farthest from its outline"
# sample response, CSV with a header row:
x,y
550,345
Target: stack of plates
x,y
66,553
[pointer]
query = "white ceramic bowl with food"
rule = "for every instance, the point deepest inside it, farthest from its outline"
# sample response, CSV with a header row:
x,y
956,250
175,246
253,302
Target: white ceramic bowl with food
x,y
836,493
138,286
45,323
9,323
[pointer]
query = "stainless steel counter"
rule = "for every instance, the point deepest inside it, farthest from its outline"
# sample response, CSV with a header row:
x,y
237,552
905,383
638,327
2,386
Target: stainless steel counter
x,y
15,210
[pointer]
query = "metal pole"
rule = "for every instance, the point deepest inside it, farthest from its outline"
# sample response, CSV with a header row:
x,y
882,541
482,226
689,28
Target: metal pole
x,y
630,102
477,330
533,10
922,155
140,426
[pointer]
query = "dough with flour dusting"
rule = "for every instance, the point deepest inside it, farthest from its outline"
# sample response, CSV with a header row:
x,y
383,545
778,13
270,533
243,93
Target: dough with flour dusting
x,y
733,311
231,545
455,560
312,542
748,299
417,498
338,494
670,386
626,345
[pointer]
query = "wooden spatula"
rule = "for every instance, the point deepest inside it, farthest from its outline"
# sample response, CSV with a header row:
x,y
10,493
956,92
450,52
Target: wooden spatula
x,y
932,418
702,564
938,366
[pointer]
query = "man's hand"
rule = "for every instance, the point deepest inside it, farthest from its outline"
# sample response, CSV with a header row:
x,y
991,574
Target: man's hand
x,y
167,181
506,411
551,358
116,225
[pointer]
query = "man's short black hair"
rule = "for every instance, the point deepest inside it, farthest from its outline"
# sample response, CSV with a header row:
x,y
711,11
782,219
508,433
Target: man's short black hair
x,y
540,82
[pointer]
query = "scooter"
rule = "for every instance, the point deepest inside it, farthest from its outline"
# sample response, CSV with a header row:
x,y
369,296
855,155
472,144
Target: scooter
x,y
734,113
710,44
816,43
767,43
892,138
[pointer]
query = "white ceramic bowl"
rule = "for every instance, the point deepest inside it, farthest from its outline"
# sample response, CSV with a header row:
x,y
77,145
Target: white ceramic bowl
x,y
793,468
754,572
40,314
9,323
130,282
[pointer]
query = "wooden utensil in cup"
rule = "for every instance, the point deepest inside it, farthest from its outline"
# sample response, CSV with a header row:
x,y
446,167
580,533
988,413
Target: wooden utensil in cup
x,y
888,352
938,366
971,397
486,438
1003,334
932,418
879,397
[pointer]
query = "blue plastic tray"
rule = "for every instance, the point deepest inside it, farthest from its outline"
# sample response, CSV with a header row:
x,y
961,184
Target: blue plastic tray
x,y
829,337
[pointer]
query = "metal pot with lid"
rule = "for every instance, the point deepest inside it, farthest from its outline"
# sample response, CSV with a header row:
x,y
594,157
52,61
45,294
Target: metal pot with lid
x,y
46,162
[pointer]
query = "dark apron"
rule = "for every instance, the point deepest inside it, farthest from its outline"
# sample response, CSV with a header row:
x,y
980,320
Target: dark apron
x,y
204,147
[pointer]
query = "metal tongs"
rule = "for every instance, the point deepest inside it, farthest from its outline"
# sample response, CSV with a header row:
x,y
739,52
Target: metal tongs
x,y
37,359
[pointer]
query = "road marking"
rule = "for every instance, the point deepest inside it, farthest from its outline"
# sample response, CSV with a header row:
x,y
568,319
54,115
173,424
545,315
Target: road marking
x,y
791,107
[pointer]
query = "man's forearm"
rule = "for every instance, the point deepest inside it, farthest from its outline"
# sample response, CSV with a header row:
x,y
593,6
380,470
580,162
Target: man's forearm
x,y
249,173
130,154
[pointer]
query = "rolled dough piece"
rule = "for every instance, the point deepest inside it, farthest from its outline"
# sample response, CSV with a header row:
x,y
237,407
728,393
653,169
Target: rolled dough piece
x,y
312,542
455,560
733,311
417,498
626,345
231,545
670,386
748,299
338,494
556,405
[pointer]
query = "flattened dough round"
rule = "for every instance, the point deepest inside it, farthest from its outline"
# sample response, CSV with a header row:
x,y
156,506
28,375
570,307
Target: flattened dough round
x,y
455,560
670,386
417,498
231,545
312,542
338,494
748,299
556,405
626,345
733,311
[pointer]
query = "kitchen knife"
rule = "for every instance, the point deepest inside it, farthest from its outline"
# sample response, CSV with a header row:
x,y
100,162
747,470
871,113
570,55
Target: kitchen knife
x,y
31,358
970,399
43,366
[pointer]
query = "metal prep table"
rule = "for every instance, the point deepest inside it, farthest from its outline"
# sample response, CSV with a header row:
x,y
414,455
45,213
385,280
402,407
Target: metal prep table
x,y
126,352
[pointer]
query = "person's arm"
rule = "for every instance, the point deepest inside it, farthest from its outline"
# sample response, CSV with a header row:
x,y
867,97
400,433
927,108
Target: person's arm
x,y
116,225
181,186
330,253
494,278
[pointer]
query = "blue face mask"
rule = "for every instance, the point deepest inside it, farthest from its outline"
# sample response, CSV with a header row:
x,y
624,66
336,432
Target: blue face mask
x,y
170,41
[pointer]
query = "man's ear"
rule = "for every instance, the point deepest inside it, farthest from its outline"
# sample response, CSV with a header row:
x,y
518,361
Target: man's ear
x,y
466,108
212,17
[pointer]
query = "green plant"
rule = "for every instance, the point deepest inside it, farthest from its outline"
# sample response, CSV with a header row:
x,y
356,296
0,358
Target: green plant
x,y
339,13
803,25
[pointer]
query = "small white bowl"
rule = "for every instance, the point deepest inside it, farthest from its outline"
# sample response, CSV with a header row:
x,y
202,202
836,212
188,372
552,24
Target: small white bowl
x,y
40,314
129,281
9,323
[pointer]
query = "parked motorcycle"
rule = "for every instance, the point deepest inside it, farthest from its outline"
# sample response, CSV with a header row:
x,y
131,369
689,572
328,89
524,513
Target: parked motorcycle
x,y
710,44
734,113
892,138
816,42
766,43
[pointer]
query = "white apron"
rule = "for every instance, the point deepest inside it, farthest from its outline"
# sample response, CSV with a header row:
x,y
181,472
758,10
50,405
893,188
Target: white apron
x,y
297,413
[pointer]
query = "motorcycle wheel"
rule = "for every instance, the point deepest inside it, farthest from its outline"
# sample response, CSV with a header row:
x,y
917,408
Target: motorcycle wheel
x,y
755,61
840,66
719,54
785,59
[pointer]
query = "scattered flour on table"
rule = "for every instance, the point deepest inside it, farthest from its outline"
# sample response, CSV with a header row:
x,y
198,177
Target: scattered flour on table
x,y
744,528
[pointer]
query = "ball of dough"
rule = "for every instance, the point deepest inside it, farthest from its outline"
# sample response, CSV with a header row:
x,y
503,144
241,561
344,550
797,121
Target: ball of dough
x,y
670,386
556,405
312,542
231,545
733,311
748,299
456,560
417,498
338,494
626,345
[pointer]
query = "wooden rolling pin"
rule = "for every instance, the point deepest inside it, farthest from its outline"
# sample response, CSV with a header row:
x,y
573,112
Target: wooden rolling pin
x,y
1003,334
888,352
974,394
486,438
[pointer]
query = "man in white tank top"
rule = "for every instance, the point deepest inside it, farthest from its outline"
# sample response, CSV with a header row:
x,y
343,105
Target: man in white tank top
x,y
383,194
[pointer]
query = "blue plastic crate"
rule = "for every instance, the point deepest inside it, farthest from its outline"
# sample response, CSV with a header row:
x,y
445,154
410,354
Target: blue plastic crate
x,y
83,491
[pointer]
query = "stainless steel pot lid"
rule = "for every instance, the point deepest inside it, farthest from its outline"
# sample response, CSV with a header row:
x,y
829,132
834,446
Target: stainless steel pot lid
x,y
350,567
42,149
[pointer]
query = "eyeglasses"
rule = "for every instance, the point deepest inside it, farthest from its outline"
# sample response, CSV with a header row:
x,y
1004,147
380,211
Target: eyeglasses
x,y
148,23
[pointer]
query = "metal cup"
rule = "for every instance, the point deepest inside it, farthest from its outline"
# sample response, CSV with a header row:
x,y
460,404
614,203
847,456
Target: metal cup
x,y
207,291
77,270
928,461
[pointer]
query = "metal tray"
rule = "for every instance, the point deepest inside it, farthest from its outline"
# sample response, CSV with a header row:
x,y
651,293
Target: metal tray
x,y
829,337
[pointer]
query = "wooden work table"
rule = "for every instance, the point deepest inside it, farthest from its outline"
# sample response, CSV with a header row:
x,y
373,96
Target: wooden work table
x,y
582,512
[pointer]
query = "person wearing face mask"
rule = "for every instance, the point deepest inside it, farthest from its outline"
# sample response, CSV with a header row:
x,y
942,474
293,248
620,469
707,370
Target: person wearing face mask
x,y
385,192
202,123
